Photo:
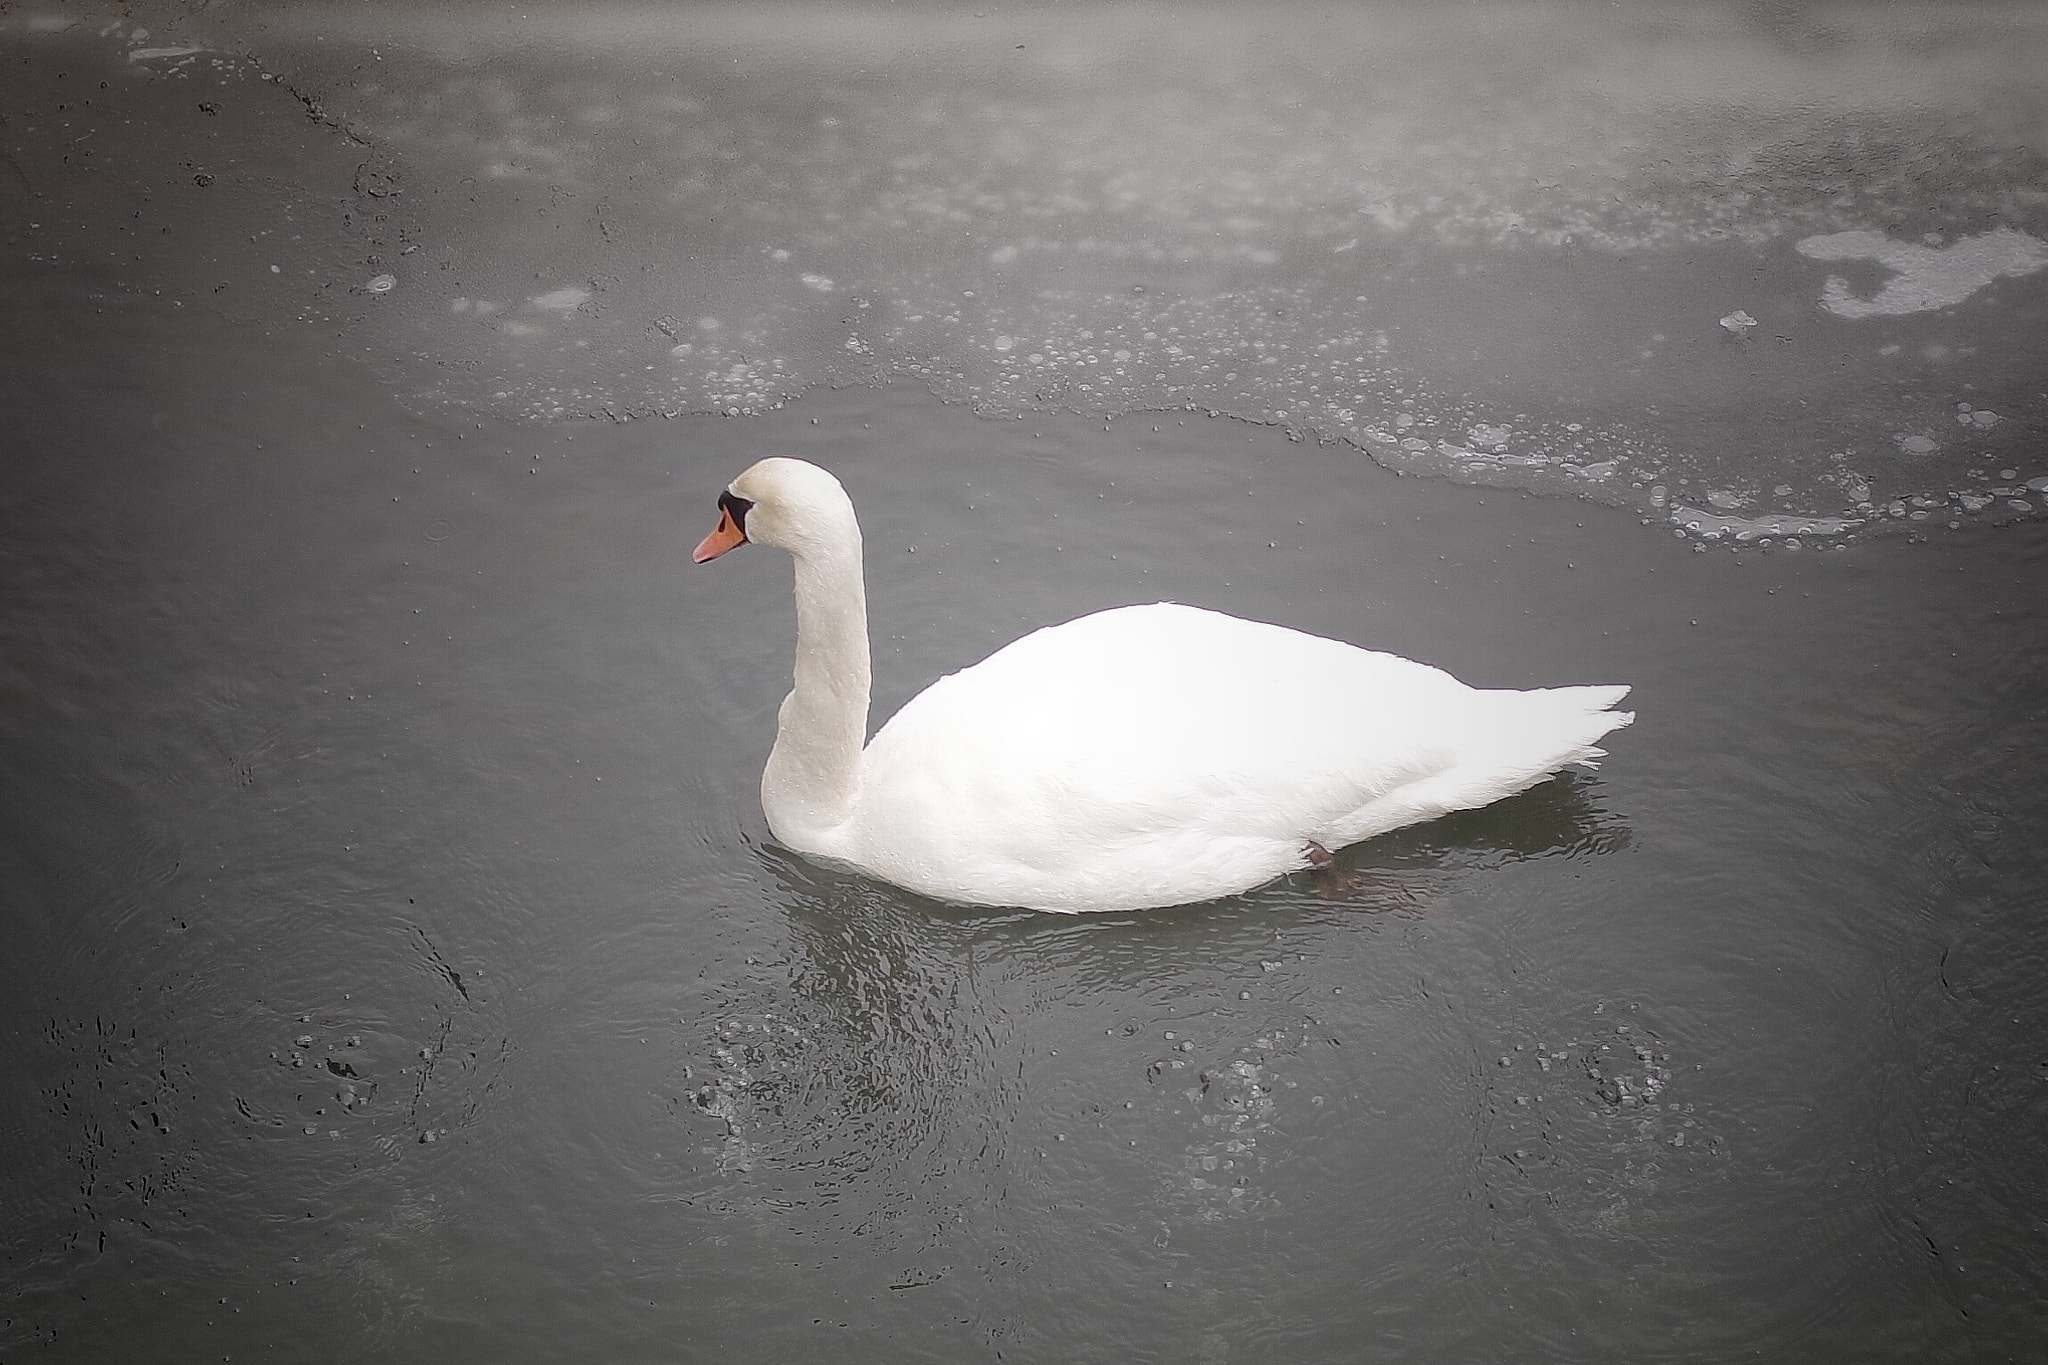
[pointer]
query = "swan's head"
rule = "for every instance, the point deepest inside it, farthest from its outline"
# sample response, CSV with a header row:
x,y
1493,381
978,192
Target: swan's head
x,y
790,504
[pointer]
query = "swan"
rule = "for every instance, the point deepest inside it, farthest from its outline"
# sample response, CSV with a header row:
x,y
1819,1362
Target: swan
x,y
1137,757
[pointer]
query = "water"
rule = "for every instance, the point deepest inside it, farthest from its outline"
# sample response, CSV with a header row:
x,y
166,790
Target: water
x,y
398,963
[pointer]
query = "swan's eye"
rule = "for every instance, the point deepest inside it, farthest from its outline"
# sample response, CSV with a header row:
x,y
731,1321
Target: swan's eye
x,y
736,508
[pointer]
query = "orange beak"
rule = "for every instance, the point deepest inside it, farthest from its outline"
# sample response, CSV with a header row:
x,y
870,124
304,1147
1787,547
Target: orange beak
x,y
727,535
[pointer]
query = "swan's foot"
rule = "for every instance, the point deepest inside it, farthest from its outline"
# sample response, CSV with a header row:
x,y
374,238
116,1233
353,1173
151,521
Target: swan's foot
x,y
1329,883
1385,896
1378,894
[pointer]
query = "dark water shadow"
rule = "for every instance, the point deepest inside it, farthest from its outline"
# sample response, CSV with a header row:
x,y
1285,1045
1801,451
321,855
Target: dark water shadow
x,y
1561,818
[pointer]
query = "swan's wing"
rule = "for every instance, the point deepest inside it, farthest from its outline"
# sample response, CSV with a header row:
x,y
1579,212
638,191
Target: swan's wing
x,y
1122,725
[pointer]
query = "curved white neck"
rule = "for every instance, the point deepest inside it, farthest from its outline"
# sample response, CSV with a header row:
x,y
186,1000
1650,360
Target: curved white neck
x,y
813,773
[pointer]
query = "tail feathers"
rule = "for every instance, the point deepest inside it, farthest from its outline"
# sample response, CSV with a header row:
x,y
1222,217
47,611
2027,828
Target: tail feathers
x,y
1583,711
1515,742
1597,698
1545,730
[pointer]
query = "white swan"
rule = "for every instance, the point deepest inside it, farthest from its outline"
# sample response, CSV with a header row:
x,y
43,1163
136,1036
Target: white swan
x,y
1141,756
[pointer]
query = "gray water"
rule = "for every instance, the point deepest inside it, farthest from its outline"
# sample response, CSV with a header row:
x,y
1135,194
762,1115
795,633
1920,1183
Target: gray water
x,y
399,966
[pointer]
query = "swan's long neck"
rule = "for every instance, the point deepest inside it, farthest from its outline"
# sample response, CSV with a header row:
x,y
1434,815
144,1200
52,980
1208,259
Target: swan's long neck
x,y
813,774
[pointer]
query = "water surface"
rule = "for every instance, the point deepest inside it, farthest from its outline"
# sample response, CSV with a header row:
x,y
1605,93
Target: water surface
x,y
399,964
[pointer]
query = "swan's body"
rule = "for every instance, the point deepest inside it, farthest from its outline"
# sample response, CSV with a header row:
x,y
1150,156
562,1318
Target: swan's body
x,y
1142,756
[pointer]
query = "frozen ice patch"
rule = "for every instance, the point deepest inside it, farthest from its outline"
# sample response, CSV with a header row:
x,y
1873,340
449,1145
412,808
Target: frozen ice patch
x,y
1926,277
562,300
1714,527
